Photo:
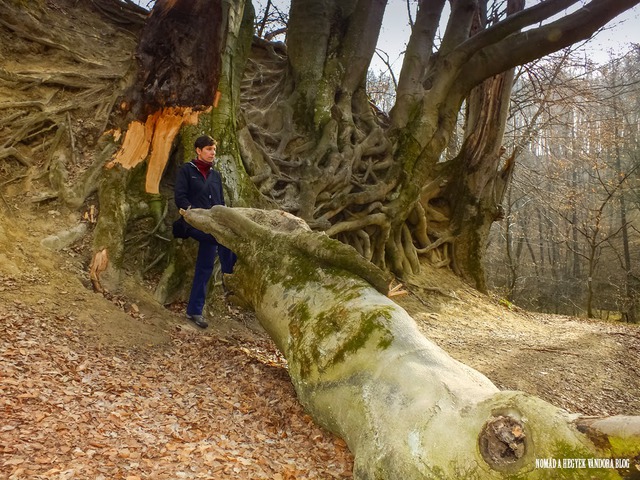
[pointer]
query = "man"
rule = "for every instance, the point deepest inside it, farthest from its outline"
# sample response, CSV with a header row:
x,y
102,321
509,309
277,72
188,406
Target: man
x,y
198,185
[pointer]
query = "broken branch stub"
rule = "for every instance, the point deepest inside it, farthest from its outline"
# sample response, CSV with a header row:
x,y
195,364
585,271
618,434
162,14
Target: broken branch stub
x,y
363,370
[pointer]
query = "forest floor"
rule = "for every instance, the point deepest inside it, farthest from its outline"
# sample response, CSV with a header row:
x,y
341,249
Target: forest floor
x,y
116,386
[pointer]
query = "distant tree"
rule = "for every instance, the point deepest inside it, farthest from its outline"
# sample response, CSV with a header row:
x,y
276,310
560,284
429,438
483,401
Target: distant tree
x,y
578,156
535,94
381,90
271,21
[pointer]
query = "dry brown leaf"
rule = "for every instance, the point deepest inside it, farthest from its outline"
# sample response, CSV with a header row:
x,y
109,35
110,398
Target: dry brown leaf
x,y
222,408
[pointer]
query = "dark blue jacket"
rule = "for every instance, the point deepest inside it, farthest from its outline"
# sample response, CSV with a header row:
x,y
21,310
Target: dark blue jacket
x,y
192,190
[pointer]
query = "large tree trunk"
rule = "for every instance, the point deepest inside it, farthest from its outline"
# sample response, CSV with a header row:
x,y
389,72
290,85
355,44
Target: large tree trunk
x,y
180,63
479,177
363,370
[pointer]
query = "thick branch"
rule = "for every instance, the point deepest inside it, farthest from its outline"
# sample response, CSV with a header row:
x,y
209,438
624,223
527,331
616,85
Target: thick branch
x,y
292,234
459,24
514,23
307,37
360,41
415,60
619,433
520,48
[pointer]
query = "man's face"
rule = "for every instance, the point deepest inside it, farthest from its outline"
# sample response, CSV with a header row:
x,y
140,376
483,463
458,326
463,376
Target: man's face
x,y
206,154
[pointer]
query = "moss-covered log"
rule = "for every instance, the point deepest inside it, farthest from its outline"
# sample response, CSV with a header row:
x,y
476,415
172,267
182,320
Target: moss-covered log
x,y
363,370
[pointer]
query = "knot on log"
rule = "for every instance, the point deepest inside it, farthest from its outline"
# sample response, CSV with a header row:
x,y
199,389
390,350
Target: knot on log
x,y
502,443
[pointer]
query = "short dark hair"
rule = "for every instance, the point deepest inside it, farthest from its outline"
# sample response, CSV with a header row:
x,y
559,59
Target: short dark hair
x,y
204,141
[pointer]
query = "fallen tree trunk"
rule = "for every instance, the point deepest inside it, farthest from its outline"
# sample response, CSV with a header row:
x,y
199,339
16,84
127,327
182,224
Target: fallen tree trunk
x,y
363,370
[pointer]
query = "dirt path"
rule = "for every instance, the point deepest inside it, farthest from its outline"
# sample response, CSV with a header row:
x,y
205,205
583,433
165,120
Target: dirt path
x,y
588,367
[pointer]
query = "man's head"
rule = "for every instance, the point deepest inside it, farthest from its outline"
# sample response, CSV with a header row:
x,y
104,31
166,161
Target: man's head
x,y
205,148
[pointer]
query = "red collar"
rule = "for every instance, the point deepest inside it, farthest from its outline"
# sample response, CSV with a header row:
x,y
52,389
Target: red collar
x,y
203,167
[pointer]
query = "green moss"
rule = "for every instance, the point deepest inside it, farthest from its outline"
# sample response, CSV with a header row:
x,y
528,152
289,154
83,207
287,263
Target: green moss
x,y
156,206
114,214
351,336
369,325
322,341
624,447
327,322
300,315
137,178
306,271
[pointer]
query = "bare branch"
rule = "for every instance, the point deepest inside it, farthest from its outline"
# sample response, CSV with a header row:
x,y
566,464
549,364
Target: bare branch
x,y
409,13
489,53
416,58
514,23
387,63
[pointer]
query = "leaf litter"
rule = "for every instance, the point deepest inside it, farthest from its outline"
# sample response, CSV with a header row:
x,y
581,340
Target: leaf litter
x,y
198,406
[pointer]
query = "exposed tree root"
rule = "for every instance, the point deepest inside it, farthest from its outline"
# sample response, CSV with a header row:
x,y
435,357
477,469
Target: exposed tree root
x,y
61,104
340,183
126,14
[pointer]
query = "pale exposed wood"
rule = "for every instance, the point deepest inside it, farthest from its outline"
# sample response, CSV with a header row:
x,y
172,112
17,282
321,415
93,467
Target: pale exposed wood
x,y
167,127
155,135
397,291
98,265
135,146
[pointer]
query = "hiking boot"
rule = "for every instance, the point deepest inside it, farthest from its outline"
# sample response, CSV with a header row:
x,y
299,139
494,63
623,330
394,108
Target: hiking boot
x,y
198,320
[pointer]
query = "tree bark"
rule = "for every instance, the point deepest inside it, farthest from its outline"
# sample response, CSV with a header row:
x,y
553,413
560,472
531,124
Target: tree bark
x,y
629,299
179,53
480,181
